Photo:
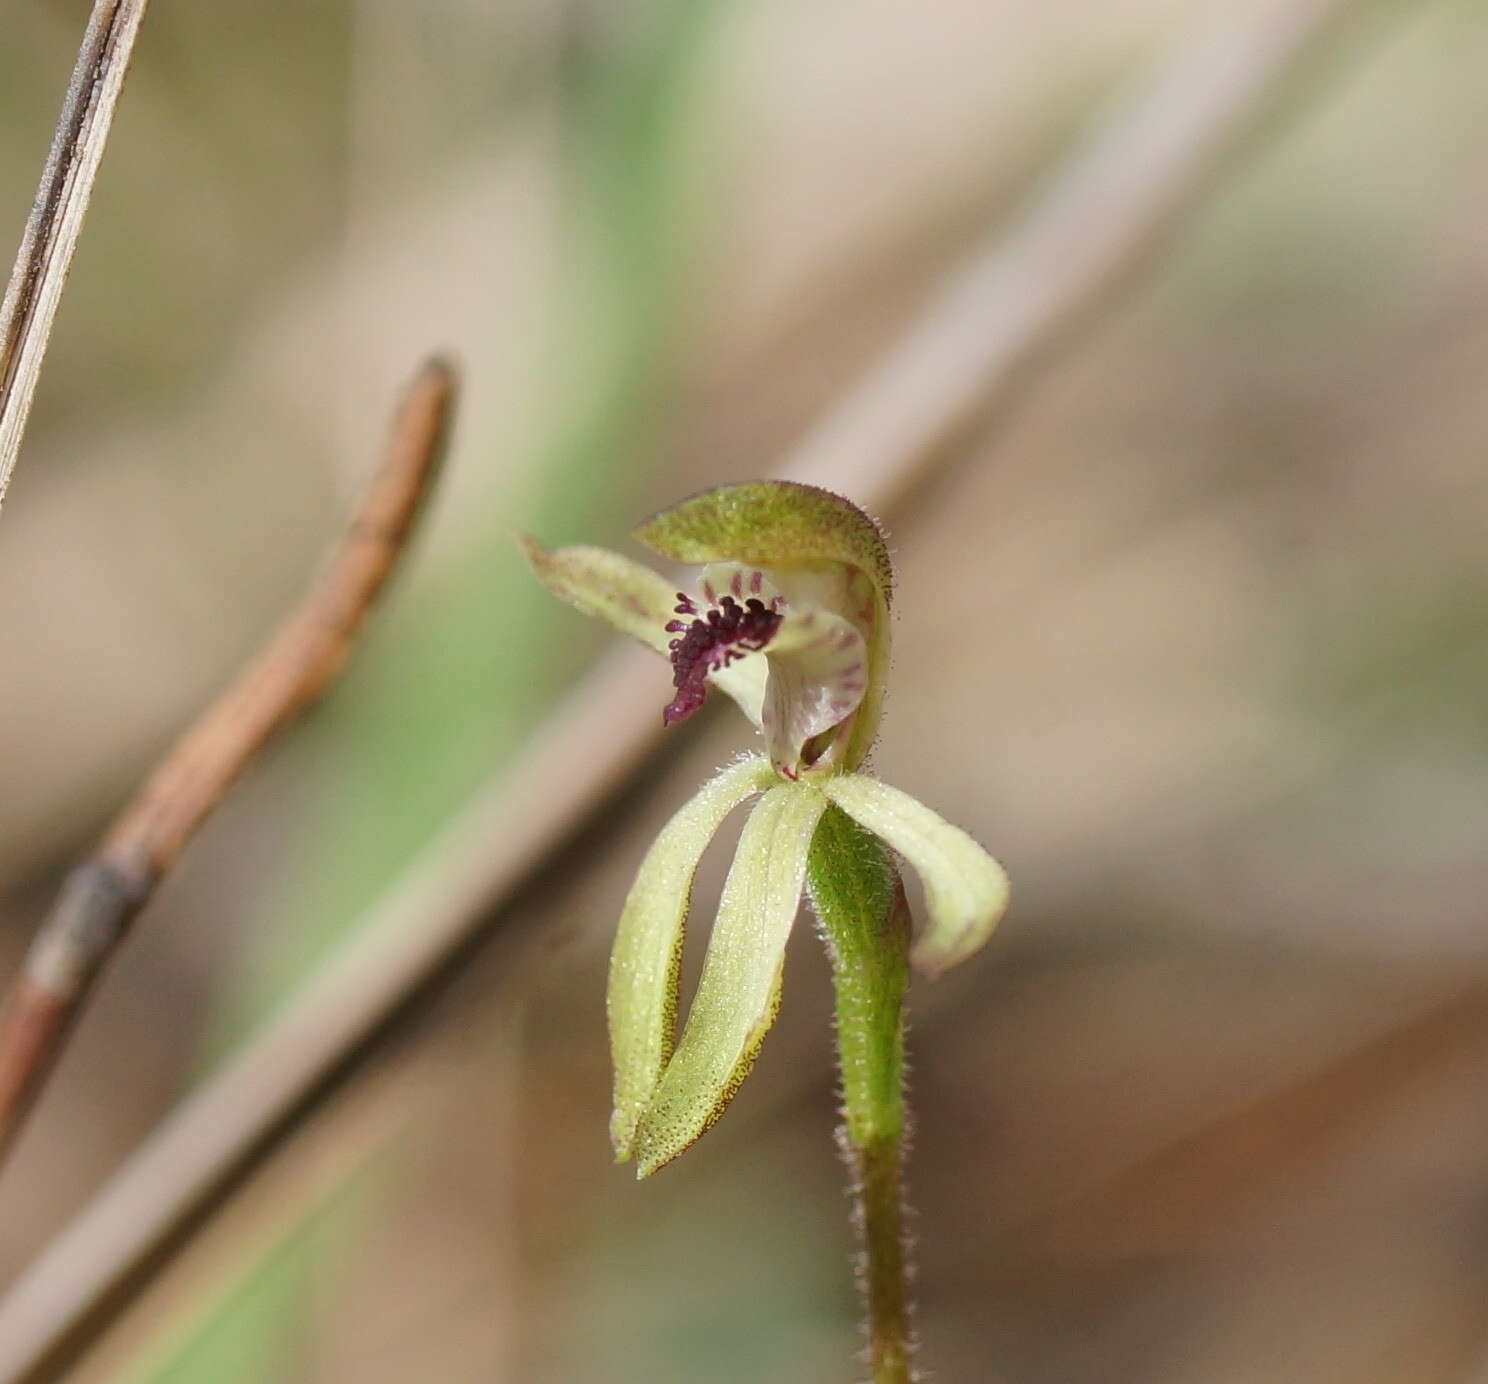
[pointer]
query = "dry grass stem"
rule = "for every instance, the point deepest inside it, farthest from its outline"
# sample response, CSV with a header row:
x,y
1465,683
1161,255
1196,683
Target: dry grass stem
x,y
1097,219
56,219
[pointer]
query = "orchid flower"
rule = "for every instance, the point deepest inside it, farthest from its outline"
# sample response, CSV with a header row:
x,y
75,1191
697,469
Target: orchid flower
x,y
788,616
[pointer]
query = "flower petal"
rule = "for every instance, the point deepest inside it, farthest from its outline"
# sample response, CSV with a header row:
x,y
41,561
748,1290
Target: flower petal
x,y
817,657
740,986
780,525
966,890
648,944
818,672
633,599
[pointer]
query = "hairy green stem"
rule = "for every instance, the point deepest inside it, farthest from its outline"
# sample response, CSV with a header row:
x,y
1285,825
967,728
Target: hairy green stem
x,y
860,903
880,1214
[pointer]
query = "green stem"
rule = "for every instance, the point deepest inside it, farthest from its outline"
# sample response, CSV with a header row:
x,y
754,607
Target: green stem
x,y
880,1210
860,904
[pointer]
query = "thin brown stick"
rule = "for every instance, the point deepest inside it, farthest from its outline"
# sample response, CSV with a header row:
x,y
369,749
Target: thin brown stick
x,y
1123,194
102,896
56,219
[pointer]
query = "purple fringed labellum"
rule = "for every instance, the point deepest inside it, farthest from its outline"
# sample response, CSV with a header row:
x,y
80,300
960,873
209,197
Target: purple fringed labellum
x,y
710,641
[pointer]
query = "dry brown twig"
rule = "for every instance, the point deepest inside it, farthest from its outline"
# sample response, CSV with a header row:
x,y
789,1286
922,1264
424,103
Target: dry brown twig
x,y
103,895
976,348
56,219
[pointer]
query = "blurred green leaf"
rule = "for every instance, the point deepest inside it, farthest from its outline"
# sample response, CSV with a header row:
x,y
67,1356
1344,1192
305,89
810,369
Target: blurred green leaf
x,y
252,1327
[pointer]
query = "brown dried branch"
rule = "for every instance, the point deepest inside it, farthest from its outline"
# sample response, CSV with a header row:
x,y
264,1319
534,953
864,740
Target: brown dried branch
x,y
56,219
101,897
997,324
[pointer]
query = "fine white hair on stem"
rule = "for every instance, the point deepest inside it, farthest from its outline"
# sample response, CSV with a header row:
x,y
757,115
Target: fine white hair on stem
x,y
995,325
56,220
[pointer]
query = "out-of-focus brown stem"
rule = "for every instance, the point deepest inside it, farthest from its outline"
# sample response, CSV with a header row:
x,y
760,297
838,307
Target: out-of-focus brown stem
x,y
102,896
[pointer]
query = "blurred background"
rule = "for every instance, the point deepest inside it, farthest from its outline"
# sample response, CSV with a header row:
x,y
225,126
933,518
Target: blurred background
x,y
1196,643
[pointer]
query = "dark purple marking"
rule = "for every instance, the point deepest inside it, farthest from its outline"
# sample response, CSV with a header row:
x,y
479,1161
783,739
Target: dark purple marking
x,y
710,642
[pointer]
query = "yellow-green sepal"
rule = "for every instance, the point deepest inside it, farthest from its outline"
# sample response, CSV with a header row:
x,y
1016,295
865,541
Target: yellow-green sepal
x,y
771,524
966,890
642,999
740,987
634,599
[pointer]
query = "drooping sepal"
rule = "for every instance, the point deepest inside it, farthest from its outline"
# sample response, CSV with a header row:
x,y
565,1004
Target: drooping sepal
x,y
642,998
966,890
740,986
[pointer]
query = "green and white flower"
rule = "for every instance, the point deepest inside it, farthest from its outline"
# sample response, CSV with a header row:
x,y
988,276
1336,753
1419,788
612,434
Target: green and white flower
x,y
789,616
